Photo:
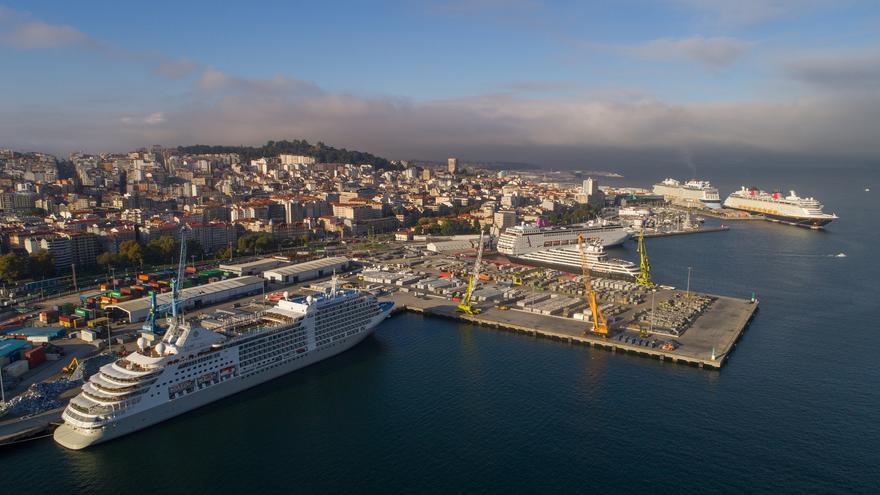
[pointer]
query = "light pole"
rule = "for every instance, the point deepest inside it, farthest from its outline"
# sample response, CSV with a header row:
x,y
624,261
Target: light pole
x,y
653,291
688,293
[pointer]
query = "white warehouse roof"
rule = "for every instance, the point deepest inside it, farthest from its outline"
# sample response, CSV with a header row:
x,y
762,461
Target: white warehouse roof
x,y
319,264
138,309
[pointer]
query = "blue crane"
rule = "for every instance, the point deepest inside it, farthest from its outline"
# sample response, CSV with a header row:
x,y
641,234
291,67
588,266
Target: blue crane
x,y
155,309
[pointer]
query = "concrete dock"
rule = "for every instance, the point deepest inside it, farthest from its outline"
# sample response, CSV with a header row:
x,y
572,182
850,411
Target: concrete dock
x,y
719,328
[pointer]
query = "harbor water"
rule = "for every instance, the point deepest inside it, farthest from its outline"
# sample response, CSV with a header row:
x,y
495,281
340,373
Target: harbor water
x,y
429,405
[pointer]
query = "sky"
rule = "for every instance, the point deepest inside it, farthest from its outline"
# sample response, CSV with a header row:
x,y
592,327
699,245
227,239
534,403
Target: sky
x,y
558,84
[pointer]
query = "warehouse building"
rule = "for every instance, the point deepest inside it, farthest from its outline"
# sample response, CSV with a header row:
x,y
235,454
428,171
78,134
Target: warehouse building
x,y
194,297
306,271
255,267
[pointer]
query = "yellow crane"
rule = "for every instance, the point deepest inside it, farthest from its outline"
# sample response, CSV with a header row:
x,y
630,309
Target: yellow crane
x,y
600,325
465,305
644,277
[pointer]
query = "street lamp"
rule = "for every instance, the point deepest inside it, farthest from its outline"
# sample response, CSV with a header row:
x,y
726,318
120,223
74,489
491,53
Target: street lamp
x,y
688,293
653,291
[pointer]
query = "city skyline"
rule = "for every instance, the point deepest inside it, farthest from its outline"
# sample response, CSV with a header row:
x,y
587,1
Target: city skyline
x,y
551,83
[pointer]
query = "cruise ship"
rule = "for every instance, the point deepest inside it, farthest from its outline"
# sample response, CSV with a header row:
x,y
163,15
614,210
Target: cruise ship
x,y
791,209
691,193
569,259
192,366
526,238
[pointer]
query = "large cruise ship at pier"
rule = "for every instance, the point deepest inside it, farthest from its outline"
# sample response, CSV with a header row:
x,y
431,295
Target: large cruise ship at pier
x,y
526,238
569,259
791,209
691,193
192,366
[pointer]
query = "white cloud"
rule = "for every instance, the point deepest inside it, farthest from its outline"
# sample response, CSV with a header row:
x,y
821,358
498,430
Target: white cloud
x,y
154,118
750,12
495,126
712,52
839,71
175,68
37,34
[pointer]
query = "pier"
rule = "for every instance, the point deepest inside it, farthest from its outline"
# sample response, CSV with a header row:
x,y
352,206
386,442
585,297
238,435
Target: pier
x,y
708,343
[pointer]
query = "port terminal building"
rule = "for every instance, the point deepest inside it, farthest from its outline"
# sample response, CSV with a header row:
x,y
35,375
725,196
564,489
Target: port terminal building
x,y
309,270
137,310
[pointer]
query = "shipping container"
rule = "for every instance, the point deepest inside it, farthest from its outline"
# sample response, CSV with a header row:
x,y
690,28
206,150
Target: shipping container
x,y
16,368
97,322
35,356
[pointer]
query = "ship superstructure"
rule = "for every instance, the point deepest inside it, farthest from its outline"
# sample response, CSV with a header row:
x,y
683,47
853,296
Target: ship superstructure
x,y
791,209
192,366
691,193
568,258
526,238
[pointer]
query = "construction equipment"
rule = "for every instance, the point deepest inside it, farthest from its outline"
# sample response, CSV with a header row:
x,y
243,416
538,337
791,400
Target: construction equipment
x,y
644,277
600,324
70,368
465,306
155,310
519,278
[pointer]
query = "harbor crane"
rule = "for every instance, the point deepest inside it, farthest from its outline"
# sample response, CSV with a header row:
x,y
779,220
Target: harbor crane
x,y
155,309
644,277
600,324
466,306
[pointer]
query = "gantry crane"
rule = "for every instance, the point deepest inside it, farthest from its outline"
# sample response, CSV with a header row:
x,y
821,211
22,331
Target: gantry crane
x,y
644,277
465,305
155,309
600,325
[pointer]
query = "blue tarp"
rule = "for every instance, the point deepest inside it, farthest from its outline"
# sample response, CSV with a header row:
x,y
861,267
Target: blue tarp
x,y
9,347
52,332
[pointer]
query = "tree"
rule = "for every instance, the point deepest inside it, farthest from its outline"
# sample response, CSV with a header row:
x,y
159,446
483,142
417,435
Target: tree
x,y
224,253
130,252
256,243
41,264
194,248
12,267
162,250
108,259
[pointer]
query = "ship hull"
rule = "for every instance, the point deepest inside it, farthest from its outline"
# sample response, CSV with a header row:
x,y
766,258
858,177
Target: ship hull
x,y
815,223
76,438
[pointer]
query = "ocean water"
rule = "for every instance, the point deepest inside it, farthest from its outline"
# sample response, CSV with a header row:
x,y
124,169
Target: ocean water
x,y
432,406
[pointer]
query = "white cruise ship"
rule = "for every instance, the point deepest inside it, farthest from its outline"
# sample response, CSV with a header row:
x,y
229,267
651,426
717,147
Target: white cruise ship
x,y
791,209
691,193
569,259
526,238
192,366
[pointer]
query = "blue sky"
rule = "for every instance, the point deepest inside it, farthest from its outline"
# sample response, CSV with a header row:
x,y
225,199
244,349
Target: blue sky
x,y
489,78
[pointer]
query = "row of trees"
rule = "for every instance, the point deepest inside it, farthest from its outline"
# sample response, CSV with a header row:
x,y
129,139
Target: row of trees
x,y
14,266
161,251
446,227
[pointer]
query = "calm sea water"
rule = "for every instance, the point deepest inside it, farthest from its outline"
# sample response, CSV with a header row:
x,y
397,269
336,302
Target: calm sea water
x,y
431,406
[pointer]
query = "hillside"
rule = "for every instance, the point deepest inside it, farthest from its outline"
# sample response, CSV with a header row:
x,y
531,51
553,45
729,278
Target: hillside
x,y
320,151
